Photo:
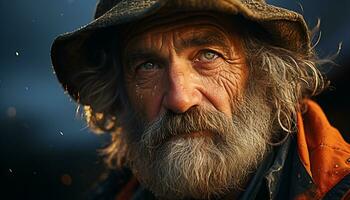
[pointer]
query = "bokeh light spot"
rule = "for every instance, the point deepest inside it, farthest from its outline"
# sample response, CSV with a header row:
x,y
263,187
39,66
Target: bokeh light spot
x,y
66,179
11,112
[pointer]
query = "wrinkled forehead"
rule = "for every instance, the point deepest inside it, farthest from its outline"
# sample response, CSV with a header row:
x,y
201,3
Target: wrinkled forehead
x,y
182,25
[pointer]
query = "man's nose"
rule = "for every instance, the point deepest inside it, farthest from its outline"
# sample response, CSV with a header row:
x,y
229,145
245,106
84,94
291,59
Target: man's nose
x,y
182,92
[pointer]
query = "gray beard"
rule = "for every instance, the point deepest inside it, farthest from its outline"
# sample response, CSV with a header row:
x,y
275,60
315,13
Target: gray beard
x,y
201,167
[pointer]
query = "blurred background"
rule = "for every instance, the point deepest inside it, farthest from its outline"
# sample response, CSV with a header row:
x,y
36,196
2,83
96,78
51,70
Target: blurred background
x,y
46,151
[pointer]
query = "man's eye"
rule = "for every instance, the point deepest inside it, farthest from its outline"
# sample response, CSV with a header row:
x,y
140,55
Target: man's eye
x,y
147,66
207,56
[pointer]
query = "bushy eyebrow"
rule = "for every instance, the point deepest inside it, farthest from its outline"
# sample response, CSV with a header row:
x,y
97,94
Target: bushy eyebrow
x,y
208,38
148,54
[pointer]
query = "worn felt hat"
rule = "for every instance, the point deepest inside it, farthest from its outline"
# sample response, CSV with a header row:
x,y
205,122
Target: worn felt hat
x,y
69,52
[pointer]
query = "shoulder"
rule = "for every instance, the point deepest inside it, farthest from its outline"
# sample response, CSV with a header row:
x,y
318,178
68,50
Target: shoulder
x,y
322,150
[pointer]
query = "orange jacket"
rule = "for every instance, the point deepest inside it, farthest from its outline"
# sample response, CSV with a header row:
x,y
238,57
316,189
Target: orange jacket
x,y
322,151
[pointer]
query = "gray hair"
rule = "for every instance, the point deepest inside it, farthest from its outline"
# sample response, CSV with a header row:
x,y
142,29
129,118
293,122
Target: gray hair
x,y
289,78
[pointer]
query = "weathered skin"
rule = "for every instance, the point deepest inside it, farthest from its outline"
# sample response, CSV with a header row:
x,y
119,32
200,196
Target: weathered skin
x,y
193,61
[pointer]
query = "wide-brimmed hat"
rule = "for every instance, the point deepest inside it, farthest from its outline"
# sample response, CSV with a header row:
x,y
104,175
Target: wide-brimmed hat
x,y
69,54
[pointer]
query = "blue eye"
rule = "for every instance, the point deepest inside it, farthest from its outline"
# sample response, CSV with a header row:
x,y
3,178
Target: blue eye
x,y
208,56
148,66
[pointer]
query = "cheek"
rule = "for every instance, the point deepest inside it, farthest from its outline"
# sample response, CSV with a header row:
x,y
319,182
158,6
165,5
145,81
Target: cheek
x,y
145,100
226,86
233,81
150,102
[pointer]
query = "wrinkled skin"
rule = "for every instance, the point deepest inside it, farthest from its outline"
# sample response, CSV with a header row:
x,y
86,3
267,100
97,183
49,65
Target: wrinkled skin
x,y
197,61
177,63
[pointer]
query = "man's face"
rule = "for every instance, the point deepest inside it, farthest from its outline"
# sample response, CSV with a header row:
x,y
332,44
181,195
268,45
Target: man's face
x,y
175,66
200,129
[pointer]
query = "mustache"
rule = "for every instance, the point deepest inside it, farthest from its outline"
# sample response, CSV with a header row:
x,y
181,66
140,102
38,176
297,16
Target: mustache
x,y
196,119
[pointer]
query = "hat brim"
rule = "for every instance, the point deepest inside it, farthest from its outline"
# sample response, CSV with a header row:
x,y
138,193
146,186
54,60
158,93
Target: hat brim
x,y
68,52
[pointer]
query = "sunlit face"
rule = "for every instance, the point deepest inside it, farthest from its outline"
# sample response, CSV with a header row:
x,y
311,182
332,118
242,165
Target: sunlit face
x,y
197,128
181,64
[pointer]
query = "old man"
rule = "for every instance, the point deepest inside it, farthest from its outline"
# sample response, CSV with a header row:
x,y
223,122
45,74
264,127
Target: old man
x,y
204,99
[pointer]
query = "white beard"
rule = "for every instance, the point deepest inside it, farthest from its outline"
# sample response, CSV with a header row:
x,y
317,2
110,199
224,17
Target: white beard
x,y
201,167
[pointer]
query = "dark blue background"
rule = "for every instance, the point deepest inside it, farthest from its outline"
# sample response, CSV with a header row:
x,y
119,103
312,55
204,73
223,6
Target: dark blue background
x,y
41,138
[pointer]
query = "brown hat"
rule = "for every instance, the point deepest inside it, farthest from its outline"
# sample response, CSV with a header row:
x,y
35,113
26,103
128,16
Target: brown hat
x,y
69,55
